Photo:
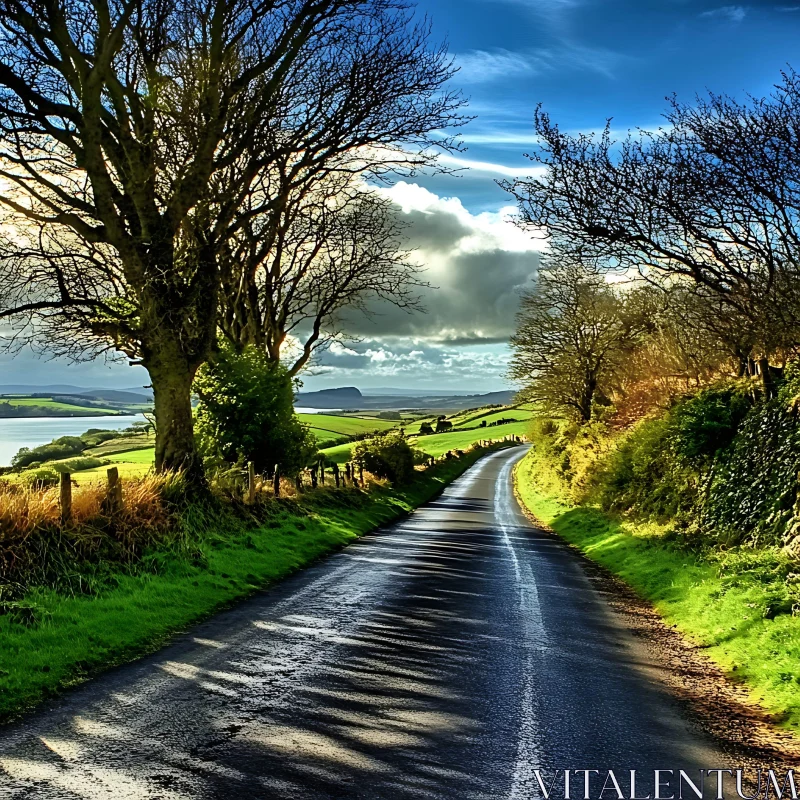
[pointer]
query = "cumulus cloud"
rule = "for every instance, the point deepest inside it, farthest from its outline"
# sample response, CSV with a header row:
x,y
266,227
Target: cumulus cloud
x,y
415,364
478,265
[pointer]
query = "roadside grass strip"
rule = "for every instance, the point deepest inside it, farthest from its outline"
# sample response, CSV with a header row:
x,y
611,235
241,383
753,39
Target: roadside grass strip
x,y
49,640
735,604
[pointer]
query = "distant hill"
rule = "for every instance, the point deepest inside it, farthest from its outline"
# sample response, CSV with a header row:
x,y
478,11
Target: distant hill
x,y
346,397
351,398
135,394
29,388
116,396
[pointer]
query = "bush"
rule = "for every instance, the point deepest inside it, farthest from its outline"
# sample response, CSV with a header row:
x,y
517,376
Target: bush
x,y
426,429
246,414
63,447
388,455
704,425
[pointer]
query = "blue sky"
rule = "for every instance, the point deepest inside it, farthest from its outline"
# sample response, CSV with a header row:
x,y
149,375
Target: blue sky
x,y
585,61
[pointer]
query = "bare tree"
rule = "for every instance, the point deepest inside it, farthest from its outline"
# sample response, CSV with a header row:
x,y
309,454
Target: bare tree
x,y
711,199
341,247
130,134
573,332
311,236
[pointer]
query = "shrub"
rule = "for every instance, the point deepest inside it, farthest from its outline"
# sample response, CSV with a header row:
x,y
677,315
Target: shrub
x,y
426,429
755,487
246,414
388,455
64,447
704,425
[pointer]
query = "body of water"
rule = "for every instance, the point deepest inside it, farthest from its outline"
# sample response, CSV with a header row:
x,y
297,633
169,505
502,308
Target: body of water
x,y
33,431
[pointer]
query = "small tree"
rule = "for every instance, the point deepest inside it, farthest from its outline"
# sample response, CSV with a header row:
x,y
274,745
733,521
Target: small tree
x,y
426,429
443,424
246,414
388,455
573,330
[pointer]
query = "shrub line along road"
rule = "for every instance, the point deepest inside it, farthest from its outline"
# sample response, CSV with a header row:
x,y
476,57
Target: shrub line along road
x,y
444,656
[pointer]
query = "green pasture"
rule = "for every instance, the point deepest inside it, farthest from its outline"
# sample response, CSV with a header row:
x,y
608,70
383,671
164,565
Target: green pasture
x,y
55,405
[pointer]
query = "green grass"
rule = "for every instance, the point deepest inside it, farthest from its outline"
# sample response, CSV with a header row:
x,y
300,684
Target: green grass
x,y
340,453
145,456
122,444
75,637
718,600
77,411
129,463
439,443
328,426
476,418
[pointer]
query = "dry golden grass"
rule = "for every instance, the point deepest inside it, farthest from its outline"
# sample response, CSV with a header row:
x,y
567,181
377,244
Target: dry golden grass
x,y
35,543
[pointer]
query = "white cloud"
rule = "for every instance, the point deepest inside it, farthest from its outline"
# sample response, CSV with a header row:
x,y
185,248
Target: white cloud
x,y
478,265
732,13
489,168
481,66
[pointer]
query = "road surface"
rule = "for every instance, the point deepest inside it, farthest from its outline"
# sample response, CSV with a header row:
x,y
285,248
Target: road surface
x,y
445,656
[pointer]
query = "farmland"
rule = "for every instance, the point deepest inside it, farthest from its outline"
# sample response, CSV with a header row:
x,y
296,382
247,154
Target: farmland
x,y
328,427
134,455
439,443
45,406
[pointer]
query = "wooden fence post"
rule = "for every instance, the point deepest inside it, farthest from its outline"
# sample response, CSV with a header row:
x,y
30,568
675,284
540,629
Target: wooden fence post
x,y
298,482
276,482
251,482
347,473
361,474
314,476
114,490
336,473
65,480
322,472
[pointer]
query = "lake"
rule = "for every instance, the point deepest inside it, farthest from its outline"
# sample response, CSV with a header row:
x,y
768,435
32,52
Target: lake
x,y
33,431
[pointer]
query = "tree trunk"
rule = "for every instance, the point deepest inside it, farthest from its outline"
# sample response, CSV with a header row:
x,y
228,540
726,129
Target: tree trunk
x,y
171,377
585,404
768,378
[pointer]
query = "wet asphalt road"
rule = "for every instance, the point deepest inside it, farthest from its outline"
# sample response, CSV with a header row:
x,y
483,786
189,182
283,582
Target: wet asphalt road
x,y
446,656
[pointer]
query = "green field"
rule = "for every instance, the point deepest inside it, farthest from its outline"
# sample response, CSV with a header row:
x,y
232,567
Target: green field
x,y
331,426
56,406
122,444
476,418
439,443
130,464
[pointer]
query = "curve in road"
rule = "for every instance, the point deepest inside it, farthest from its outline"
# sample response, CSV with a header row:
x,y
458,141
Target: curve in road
x,y
446,656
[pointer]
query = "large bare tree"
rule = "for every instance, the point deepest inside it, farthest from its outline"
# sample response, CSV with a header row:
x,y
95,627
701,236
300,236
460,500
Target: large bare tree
x,y
130,133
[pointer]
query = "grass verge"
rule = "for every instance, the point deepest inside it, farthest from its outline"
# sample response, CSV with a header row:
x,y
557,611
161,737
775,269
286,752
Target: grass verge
x,y
60,640
737,604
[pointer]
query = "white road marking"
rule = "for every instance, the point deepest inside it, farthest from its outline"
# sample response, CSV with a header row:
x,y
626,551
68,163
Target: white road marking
x,y
535,642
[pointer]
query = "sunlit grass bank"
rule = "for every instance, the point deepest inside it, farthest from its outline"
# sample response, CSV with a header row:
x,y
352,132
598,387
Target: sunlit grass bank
x,y
736,603
49,641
